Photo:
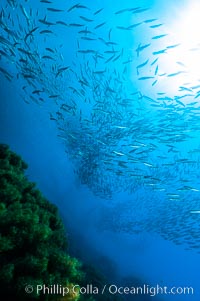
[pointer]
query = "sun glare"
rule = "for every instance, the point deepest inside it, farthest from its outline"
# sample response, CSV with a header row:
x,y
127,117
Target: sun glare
x,y
187,30
185,59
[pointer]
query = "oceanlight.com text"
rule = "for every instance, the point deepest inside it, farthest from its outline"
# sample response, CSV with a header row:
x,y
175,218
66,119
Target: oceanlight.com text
x,y
111,289
150,290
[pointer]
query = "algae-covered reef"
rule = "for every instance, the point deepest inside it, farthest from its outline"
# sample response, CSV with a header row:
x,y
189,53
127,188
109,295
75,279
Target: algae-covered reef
x,y
33,246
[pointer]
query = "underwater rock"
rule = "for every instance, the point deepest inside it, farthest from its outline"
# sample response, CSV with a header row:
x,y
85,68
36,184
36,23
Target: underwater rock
x,y
33,247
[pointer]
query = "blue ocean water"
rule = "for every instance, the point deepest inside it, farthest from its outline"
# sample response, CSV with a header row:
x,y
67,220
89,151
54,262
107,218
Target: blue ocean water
x,y
108,122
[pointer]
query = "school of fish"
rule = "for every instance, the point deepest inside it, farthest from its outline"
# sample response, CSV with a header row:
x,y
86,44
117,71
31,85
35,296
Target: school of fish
x,y
123,130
